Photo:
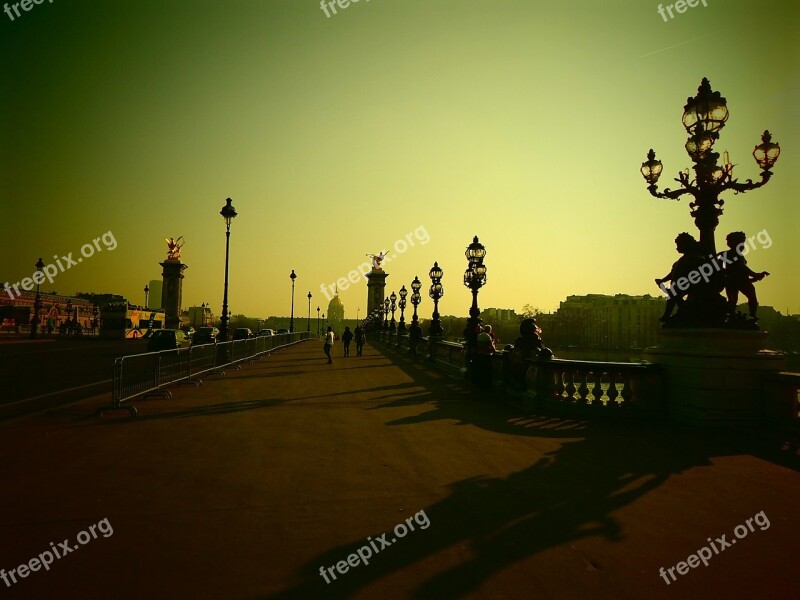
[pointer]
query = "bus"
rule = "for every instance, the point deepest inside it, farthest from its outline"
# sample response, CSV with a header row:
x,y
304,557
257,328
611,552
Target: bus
x,y
123,321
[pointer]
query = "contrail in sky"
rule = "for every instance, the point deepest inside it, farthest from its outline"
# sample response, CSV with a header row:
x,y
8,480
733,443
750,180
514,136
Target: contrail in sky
x,y
675,46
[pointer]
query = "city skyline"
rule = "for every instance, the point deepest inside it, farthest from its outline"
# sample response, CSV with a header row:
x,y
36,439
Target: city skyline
x,y
525,125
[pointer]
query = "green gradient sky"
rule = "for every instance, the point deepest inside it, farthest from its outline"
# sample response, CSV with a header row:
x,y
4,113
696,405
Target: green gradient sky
x,y
523,122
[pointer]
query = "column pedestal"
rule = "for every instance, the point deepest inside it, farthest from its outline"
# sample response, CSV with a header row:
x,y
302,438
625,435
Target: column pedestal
x,y
172,292
714,377
376,284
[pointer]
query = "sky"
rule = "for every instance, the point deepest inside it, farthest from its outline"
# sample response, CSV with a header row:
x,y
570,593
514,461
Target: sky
x,y
522,122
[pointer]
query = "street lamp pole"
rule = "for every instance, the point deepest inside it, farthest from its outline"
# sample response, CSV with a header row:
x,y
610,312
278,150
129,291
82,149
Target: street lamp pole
x,y
308,328
704,116
416,298
37,302
228,212
291,318
393,324
436,292
146,295
318,321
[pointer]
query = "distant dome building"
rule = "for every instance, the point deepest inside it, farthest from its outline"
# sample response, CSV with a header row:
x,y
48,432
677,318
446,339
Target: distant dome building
x,y
336,314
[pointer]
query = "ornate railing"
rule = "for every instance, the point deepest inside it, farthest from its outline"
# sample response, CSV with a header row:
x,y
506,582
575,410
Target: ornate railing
x,y
582,386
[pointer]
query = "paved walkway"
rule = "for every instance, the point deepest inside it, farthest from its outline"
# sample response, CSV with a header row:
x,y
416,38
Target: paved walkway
x,y
246,486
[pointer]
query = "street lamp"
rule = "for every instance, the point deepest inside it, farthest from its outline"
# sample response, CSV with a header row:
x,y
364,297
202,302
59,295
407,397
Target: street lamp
x,y
308,327
146,295
393,324
704,117
318,321
386,313
401,328
416,298
474,279
291,318
37,302
228,213
68,309
436,292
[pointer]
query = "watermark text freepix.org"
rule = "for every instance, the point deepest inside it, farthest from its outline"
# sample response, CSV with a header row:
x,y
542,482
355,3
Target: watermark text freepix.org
x,y
331,4
50,270
365,552
25,4
704,554
400,246
707,269
680,6
46,558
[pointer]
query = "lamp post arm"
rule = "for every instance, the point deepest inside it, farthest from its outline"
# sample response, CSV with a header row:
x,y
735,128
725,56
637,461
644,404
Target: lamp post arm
x,y
739,188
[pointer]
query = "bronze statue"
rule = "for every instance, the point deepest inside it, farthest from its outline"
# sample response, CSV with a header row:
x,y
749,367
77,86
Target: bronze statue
x,y
174,248
738,276
377,259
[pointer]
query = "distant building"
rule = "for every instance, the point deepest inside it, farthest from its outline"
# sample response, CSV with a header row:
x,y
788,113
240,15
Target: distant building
x,y
55,309
499,315
602,321
154,297
335,315
199,316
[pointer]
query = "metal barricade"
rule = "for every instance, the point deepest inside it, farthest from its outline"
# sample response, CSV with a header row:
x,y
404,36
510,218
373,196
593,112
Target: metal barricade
x,y
143,375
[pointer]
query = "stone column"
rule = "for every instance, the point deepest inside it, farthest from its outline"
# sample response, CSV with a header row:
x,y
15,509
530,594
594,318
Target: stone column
x,y
172,292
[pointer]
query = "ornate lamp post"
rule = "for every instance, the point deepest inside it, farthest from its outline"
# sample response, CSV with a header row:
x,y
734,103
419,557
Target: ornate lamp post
x,y
146,295
386,313
318,321
292,276
308,328
228,213
393,307
401,328
68,309
416,298
704,117
436,292
37,302
475,278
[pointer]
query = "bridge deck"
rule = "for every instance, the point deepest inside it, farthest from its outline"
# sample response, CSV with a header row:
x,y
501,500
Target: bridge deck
x,y
246,486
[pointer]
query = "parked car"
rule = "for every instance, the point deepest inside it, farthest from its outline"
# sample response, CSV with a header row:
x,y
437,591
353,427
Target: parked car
x,y
282,331
205,335
266,332
168,339
242,333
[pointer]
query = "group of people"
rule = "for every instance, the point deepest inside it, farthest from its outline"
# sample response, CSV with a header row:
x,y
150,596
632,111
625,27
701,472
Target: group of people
x,y
347,338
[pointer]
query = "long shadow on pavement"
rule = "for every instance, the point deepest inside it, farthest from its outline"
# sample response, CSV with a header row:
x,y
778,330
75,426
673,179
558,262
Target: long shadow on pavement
x,y
566,495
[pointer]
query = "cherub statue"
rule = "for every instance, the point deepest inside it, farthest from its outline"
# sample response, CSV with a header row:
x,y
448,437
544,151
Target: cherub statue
x,y
174,248
738,276
377,259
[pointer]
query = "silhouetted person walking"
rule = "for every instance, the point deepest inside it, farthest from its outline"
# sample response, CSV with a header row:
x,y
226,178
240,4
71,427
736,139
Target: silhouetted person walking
x,y
360,338
347,337
328,344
